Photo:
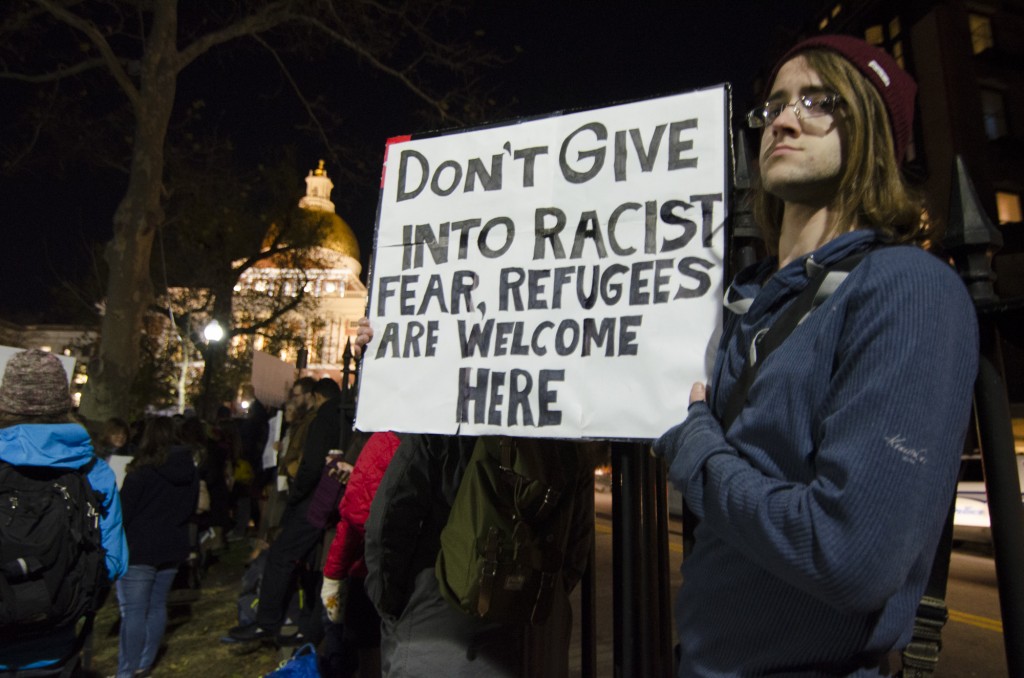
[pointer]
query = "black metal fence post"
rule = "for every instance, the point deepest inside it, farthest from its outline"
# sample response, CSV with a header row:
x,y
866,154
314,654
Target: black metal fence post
x,y
972,239
661,600
588,609
642,629
348,396
747,241
623,560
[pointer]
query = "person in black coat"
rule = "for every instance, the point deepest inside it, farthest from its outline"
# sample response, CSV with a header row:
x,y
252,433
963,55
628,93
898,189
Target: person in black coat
x,y
158,499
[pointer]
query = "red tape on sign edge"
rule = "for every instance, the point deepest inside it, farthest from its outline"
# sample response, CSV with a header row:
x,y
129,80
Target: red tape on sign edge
x,y
387,147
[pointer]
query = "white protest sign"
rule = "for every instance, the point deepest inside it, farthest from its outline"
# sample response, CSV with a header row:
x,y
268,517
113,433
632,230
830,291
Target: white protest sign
x,y
272,378
557,277
269,453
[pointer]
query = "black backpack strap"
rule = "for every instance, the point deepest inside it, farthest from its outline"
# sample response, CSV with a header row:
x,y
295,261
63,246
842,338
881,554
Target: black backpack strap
x,y
819,288
489,572
822,284
921,655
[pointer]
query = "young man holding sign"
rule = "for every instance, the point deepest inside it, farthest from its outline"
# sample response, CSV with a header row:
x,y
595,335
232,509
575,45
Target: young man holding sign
x,y
822,483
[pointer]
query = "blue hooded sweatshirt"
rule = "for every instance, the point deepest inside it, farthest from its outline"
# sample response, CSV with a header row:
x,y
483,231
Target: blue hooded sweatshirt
x,y
64,446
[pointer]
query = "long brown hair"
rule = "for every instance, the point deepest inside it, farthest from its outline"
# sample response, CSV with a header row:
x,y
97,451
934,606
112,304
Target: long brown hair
x,y
872,192
157,438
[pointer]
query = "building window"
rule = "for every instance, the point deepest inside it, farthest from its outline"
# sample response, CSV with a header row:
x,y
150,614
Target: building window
x,y
894,27
897,53
981,32
823,24
1008,205
993,108
887,37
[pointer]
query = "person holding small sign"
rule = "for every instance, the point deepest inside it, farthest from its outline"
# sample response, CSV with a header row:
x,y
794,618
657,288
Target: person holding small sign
x,y
822,474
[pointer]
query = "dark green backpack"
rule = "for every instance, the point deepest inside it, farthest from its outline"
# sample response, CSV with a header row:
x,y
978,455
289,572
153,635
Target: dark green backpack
x,y
504,545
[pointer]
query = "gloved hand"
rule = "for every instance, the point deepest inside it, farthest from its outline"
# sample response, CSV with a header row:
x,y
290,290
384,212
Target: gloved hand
x,y
334,593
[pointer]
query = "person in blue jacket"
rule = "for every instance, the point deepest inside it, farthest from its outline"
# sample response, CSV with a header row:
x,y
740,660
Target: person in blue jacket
x,y
822,502
37,429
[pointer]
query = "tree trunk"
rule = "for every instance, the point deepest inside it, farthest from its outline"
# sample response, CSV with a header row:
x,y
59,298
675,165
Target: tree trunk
x,y
139,214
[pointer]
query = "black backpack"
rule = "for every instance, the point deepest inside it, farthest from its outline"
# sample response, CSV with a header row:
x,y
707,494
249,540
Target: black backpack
x,y
52,561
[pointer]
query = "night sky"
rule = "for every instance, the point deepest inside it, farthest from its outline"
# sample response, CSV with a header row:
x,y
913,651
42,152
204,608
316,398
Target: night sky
x,y
563,57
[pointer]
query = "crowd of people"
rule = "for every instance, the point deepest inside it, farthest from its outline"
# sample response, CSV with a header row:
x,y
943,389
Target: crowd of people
x,y
174,492
820,479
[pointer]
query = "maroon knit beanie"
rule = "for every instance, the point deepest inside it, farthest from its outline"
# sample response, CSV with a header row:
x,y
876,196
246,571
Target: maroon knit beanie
x,y
895,86
35,383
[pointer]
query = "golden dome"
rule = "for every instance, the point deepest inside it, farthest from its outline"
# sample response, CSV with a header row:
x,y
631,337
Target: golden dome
x,y
340,237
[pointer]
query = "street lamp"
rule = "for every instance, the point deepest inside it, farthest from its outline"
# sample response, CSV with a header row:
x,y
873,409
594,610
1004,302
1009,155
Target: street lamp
x,y
213,355
213,331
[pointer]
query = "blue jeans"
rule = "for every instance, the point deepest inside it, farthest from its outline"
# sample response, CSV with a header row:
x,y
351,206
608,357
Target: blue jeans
x,y
142,594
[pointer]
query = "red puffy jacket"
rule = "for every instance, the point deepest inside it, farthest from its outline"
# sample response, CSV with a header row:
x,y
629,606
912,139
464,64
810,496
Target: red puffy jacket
x,y
345,558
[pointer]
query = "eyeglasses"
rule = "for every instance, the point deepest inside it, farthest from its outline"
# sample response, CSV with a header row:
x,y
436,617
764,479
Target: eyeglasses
x,y
806,106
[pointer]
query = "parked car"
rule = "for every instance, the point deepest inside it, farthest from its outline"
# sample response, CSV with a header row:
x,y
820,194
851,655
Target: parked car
x,y
970,518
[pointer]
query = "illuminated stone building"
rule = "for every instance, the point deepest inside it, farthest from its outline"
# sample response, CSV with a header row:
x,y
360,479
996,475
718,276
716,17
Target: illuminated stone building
x,y
340,295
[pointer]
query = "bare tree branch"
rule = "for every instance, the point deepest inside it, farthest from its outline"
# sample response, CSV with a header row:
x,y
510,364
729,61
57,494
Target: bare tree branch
x,y
109,58
17,158
268,17
372,58
441,52
280,311
295,87
59,74
264,255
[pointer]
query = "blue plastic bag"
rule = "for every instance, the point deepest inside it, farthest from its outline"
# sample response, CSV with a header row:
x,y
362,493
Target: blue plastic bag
x,y
301,665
